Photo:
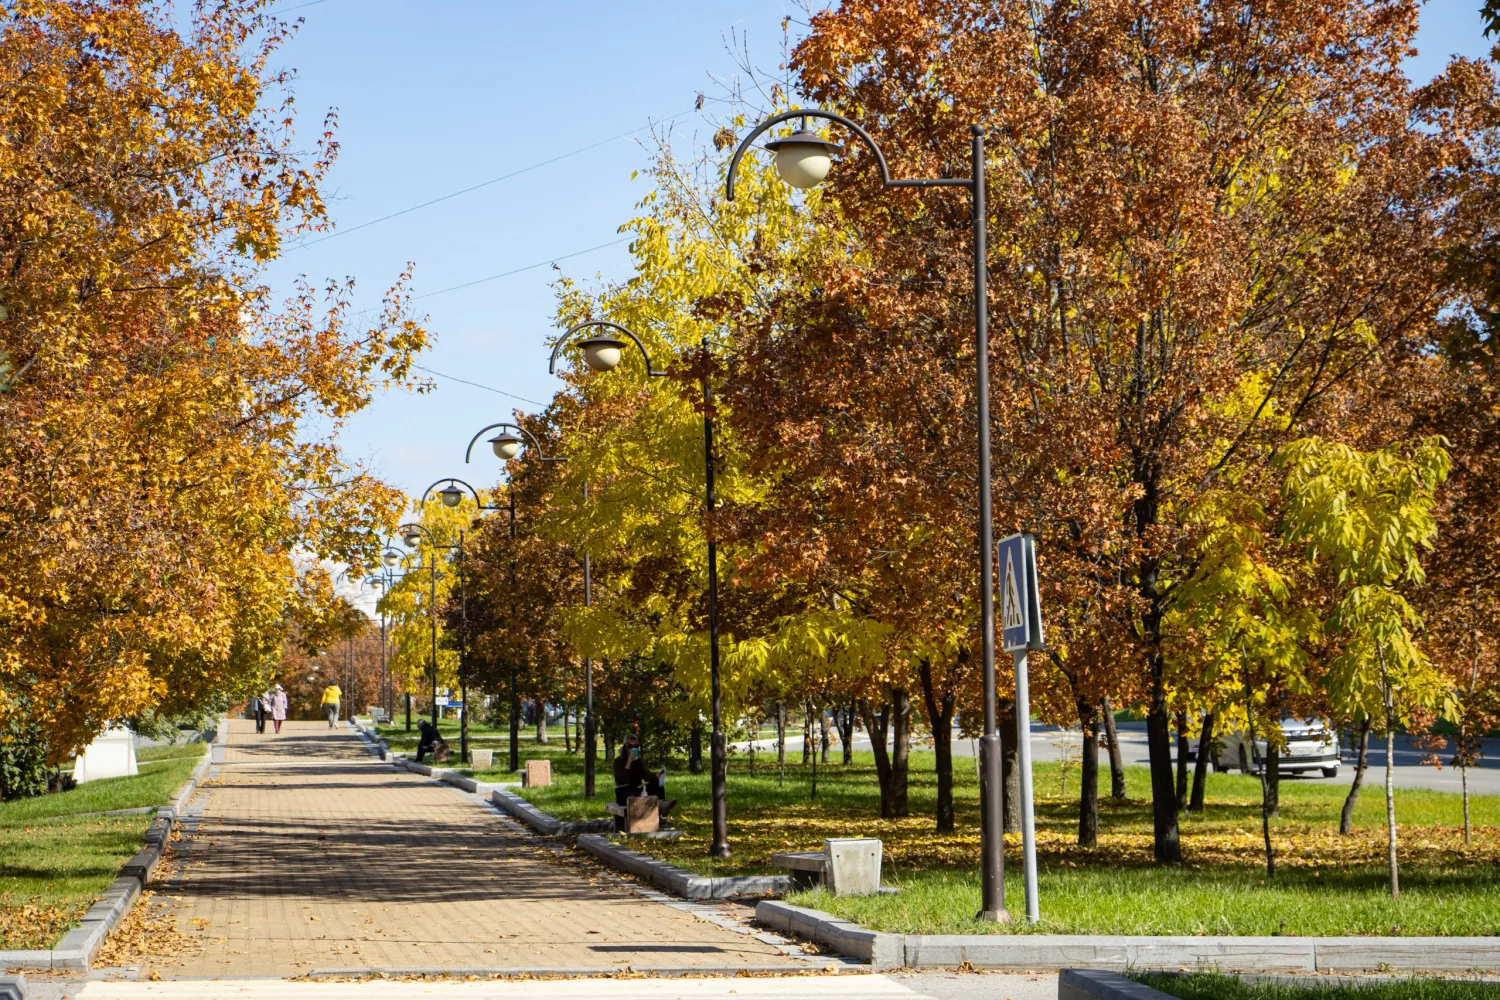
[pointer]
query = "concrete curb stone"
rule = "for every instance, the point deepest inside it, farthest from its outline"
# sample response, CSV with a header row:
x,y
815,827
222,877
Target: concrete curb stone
x,y
12,987
545,823
75,950
680,881
1097,984
1118,952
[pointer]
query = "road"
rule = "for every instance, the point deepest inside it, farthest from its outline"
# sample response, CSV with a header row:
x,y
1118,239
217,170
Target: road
x,y
1048,743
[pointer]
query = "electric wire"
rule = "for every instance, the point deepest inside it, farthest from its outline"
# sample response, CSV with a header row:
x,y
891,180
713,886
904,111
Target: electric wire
x,y
484,184
528,267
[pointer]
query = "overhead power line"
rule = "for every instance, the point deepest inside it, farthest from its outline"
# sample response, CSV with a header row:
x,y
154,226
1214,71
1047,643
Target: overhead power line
x,y
528,267
488,388
485,184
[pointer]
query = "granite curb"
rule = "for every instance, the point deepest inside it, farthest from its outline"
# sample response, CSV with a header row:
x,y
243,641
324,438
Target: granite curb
x,y
1116,952
1098,984
680,881
545,823
12,988
75,950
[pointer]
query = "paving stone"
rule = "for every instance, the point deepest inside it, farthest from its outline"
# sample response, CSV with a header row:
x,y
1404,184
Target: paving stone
x,y
311,854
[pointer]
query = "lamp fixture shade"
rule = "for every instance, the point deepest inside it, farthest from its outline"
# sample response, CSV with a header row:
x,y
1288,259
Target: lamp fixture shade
x,y
412,539
452,496
505,445
802,158
602,353
390,557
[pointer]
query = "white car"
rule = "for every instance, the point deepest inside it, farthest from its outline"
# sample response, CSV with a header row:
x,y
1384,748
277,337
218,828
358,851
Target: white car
x,y
1311,745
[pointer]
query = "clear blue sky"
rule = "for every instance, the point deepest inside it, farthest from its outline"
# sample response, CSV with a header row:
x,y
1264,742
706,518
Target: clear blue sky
x,y
437,96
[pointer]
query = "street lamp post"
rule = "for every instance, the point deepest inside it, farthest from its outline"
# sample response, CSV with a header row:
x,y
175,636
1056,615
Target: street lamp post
x,y
602,352
803,159
452,496
412,534
506,446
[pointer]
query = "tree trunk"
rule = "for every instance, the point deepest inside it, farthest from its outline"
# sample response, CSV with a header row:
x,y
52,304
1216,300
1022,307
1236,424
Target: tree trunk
x,y
875,725
1200,769
1266,806
695,748
1088,786
1116,757
940,720
541,721
567,736
1271,768
900,751
823,739
781,741
1361,761
847,734
1010,771
1390,775
1166,840
1182,755
515,724
807,733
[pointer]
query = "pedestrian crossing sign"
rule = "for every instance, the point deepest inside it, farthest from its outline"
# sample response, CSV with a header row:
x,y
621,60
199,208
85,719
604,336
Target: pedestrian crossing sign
x,y
1020,605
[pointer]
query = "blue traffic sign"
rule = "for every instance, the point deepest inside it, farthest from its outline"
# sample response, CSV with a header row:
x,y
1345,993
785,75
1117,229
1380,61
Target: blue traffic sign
x,y
1020,604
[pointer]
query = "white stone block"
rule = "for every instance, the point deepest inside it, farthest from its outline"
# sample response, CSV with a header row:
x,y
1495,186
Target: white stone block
x,y
851,867
111,755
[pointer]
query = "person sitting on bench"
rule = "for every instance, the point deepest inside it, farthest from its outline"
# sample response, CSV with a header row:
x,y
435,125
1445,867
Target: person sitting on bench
x,y
632,778
431,740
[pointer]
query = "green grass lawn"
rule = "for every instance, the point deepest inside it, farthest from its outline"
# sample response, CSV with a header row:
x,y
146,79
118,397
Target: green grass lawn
x,y
55,862
1211,986
1326,884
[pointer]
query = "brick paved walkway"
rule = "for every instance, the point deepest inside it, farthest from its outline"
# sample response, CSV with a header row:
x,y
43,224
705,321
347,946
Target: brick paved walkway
x,y
313,855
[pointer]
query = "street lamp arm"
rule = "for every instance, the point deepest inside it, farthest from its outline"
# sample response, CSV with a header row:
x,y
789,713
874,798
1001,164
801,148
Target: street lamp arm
x,y
607,325
453,479
880,162
515,427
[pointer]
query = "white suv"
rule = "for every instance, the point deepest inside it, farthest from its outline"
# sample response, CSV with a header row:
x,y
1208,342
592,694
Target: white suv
x,y
1311,745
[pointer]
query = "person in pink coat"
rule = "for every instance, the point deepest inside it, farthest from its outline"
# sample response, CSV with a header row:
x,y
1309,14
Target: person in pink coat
x,y
276,703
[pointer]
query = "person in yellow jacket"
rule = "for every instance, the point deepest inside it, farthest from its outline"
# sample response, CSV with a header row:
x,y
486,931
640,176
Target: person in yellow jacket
x,y
331,695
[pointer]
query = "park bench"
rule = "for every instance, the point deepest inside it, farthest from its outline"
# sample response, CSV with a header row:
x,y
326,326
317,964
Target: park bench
x,y
378,715
847,866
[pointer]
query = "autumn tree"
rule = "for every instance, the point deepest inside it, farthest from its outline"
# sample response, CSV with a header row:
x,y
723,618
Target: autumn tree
x,y
159,483
1188,205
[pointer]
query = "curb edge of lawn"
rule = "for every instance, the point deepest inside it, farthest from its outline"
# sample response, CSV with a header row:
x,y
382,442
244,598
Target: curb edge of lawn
x,y
1108,952
680,881
75,950
1100,984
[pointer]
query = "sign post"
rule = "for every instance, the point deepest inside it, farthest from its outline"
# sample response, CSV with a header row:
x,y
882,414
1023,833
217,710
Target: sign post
x,y
1021,630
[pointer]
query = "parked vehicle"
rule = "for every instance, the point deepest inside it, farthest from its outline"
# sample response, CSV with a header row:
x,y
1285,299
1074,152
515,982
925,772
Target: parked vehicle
x,y
1311,745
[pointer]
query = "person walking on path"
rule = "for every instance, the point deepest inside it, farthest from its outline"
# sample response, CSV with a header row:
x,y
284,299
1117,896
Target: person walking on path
x,y
277,705
331,695
258,710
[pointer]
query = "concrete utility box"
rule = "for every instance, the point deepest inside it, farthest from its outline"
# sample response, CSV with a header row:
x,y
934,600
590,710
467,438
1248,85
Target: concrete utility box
x,y
851,867
642,814
538,774
111,755
482,760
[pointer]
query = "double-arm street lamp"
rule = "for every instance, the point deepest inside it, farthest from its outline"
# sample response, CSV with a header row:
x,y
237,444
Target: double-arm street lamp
x,y
602,353
803,160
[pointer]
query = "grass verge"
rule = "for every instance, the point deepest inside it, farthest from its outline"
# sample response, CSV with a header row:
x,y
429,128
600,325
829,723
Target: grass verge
x,y
1212,986
55,862
1325,885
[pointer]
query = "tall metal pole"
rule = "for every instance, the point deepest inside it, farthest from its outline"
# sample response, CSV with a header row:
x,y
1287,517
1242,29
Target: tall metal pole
x,y
513,716
463,643
432,616
385,680
1023,761
589,732
718,762
991,786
